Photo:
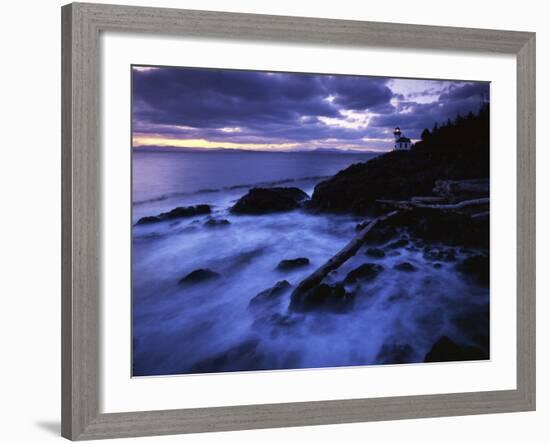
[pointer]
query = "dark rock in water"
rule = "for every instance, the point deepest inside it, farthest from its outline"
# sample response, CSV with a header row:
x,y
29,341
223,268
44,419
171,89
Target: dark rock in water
x,y
176,213
395,354
216,223
437,265
397,244
269,200
445,349
148,220
323,297
199,275
366,272
270,294
477,267
290,264
440,254
244,356
405,266
375,252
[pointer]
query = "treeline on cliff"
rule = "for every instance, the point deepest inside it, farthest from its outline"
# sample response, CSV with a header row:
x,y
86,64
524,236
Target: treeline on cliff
x,y
454,150
470,133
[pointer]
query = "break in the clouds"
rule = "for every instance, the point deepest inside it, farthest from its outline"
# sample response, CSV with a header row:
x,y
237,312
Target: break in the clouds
x,y
207,108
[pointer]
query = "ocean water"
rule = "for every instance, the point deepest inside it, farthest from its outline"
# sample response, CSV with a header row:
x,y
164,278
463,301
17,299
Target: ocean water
x,y
210,327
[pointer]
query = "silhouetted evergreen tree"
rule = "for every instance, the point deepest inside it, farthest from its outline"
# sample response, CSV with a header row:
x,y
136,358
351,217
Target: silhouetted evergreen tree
x,y
460,144
425,136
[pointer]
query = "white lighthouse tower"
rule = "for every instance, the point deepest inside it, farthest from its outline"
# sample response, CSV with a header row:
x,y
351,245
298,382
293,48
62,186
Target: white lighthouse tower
x,y
401,142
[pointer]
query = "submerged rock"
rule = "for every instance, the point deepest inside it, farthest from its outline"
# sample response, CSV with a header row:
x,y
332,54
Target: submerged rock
x,y
176,213
213,223
375,252
445,349
477,267
322,297
365,272
291,264
405,266
270,294
269,200
199,275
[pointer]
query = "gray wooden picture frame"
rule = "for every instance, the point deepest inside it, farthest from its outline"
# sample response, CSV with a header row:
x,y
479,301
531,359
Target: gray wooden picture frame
x,y
81,232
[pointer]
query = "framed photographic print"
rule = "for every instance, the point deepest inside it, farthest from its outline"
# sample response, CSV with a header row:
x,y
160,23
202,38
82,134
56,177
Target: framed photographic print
x,y
278,221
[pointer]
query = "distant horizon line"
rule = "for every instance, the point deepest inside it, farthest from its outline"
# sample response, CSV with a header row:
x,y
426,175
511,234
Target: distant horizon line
x,y
241,150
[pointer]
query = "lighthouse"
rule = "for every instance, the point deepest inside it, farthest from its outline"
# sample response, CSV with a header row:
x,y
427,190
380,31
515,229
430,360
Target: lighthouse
x,y
401,142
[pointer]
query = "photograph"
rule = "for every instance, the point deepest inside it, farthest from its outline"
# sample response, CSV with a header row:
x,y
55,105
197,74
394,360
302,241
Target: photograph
x,y
286,220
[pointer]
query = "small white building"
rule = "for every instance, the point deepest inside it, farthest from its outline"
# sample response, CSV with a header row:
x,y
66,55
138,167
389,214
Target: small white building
x,y
401,142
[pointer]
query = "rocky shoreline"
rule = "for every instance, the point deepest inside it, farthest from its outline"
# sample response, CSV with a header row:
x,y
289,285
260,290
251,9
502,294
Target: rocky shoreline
x,y
457,236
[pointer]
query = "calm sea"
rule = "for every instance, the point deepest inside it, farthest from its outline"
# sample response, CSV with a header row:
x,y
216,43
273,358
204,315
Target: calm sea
x,y
158,175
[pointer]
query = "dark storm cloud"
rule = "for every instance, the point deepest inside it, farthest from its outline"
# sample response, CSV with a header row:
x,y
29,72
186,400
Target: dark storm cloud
x,y
358,93
258,107
215,98
466,91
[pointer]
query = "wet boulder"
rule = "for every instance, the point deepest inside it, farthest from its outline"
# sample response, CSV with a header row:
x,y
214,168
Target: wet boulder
x,y
269,295
322,297
215,223
176,213
269,200
291,264
198,276
405,266
365,272
445,349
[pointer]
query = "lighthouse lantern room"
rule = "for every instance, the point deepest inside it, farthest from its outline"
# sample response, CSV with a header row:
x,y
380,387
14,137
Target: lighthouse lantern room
x,y
401,142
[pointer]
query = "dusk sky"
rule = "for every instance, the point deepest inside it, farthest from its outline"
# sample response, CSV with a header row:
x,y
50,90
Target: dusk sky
x,y
201,108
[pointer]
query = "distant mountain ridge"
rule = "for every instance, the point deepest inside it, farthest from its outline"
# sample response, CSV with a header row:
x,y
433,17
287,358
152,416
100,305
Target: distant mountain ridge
x,y
173,149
